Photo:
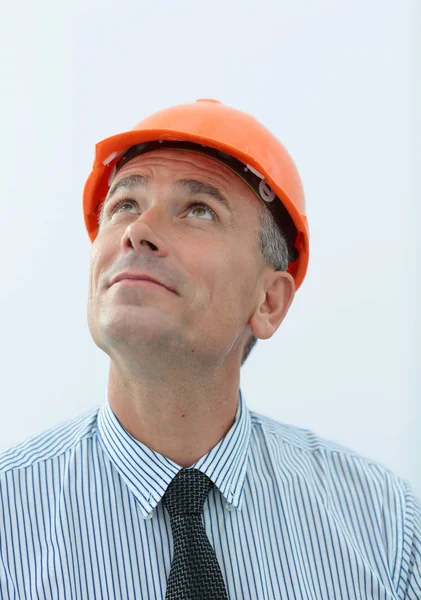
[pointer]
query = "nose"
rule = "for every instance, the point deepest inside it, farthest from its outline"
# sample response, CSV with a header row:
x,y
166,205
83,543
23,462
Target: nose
x,y
141,236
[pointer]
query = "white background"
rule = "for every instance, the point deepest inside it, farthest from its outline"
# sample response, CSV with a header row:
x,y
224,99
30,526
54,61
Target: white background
x,y
336,81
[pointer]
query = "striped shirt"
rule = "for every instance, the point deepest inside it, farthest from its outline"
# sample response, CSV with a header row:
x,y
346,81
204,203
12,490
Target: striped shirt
x,y
290,515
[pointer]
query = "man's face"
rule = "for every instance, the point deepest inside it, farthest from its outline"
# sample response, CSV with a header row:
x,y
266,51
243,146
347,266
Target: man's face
x,y
172,226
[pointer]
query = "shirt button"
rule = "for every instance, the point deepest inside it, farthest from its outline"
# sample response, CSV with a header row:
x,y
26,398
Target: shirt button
x,y
229,507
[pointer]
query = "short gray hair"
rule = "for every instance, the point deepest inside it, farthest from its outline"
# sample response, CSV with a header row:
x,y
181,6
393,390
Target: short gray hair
x,y
274,249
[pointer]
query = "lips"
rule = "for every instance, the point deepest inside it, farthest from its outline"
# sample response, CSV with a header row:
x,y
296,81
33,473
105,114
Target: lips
x,y
139,277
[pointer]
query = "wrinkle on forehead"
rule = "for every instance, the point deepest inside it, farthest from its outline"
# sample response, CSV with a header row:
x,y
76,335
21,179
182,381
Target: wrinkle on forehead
x,y
166,159
175,164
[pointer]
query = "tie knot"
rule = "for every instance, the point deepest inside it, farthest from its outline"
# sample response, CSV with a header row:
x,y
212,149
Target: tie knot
x,y
187,492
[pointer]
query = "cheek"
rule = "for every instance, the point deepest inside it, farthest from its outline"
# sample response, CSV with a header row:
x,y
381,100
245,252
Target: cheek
x,y
233,278
93,270
242,278
100,257
206,290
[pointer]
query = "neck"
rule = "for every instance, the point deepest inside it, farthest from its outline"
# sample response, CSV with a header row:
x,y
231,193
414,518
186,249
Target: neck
x,y
180,415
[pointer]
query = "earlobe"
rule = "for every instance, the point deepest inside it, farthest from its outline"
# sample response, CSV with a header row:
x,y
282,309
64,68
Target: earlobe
x,y
276,300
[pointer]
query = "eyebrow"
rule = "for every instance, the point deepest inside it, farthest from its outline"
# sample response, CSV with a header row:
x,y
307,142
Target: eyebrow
x,y
127,183
193,187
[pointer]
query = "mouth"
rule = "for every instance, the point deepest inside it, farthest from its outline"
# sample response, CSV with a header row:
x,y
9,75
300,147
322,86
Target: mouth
x,y
140,282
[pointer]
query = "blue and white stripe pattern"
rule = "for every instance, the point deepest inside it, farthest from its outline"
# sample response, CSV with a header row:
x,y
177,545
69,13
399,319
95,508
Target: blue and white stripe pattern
x,y
291,516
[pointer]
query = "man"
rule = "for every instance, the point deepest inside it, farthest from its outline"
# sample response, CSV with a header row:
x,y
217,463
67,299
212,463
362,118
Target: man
x,y
173,488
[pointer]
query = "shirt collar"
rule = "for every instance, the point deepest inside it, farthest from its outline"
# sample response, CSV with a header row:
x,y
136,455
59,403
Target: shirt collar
x,y
148,473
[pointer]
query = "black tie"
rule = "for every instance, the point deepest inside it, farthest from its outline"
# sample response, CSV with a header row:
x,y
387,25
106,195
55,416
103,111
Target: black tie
x,y
195,573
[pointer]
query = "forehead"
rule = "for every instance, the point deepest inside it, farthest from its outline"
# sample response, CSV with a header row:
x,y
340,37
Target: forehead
x,y
169,165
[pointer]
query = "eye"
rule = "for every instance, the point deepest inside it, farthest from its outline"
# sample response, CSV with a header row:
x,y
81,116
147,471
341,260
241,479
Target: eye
x,y
121,203
192,207
204,207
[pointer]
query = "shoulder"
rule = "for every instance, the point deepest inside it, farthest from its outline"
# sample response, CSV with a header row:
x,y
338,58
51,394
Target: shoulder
x,y
305,452
304,440
354,489
49,443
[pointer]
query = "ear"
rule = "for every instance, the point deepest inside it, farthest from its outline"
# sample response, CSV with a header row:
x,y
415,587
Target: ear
x,y
275,300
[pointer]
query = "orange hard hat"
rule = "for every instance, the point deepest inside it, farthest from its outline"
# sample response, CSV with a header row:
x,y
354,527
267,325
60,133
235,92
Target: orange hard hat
x,y
232,137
